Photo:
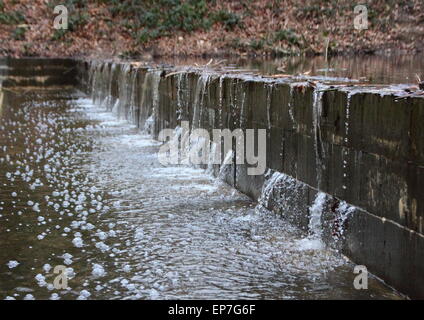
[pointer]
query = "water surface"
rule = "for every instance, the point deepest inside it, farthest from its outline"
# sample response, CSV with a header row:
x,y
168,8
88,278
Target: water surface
x,y
83,189
364,69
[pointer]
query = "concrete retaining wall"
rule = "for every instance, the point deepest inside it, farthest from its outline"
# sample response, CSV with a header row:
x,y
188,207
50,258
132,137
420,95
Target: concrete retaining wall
x,y
365,150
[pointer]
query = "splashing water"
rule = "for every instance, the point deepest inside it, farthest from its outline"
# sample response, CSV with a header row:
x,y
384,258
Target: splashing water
x,y
316,118
314,239
84,189
315,226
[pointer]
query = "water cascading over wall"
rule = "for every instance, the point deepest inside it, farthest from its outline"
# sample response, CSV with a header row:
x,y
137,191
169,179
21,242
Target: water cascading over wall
x,y
344,166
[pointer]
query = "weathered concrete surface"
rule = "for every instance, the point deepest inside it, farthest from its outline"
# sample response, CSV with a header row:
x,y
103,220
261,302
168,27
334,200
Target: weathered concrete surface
x,y
363,149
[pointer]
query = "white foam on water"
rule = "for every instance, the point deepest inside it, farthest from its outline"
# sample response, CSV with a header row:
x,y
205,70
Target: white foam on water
x,y
12,264
136,140
316,210
309,244
138,230
98,270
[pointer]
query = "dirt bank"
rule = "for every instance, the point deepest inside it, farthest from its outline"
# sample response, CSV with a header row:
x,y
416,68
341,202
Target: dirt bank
x,y
197,27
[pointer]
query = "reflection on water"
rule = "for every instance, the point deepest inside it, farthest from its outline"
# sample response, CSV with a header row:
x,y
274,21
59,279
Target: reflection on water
x,y
395,69
80,188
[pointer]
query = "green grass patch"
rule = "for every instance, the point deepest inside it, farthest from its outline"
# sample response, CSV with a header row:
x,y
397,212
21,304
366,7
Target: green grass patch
x,y
287,35
11,18
19,33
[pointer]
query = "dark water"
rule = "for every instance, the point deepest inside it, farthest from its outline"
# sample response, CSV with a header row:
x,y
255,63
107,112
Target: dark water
x,y
367,69
83,189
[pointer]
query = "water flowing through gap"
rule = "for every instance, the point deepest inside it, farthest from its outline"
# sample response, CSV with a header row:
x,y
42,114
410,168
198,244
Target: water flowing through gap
x,y
82,187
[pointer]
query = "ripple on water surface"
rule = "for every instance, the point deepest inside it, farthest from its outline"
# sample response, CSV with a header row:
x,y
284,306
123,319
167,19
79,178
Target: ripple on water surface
x,y
83,189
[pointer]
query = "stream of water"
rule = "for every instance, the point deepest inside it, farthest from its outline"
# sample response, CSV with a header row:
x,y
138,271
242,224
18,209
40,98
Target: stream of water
x,y
82,189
